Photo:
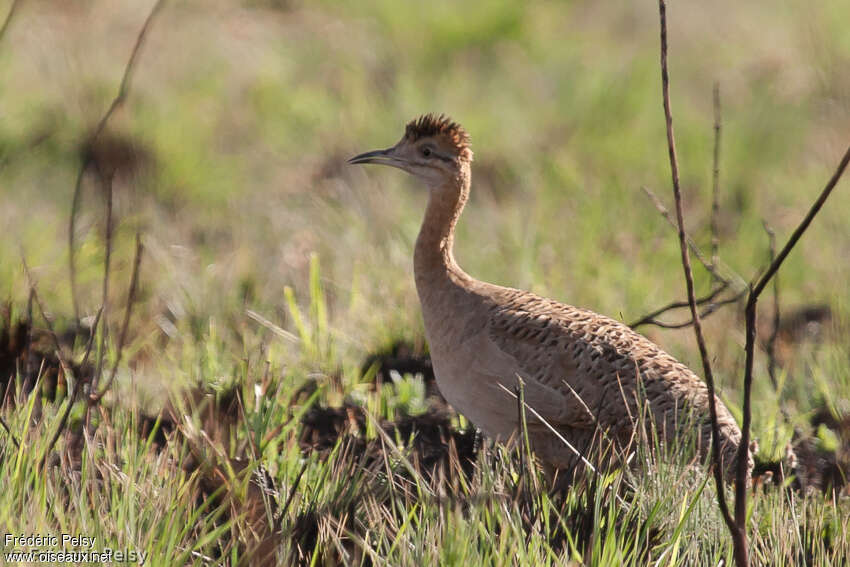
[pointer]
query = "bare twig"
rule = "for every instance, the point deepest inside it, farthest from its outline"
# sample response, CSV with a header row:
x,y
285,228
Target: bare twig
x,y
63,364
738,536
119,99
712,307
131,296
104,303
752,302
804,224
8,20
27,363
66,369
127,78
72,266
715,179
770,347
78,387
651,317
720,272
51,331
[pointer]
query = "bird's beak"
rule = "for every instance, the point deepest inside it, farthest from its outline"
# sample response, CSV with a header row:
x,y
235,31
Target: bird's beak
x,y
382,157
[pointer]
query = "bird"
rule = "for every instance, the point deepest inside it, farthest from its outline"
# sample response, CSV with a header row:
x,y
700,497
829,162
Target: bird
x,y
584,377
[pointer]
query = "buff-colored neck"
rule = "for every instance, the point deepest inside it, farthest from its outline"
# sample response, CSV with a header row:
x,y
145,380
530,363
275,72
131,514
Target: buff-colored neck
x,y
433,259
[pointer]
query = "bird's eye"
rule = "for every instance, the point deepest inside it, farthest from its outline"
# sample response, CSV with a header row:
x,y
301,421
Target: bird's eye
x,y
426,152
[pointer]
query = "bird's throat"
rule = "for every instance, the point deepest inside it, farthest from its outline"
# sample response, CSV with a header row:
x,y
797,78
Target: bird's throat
x,y
433,258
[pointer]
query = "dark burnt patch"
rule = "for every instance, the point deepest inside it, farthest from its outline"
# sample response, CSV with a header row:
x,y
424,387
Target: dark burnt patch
x,y
27,352
839,424
114,153
322,427
819,465
820,469
430,441
435,444
805,323
402,357
162,426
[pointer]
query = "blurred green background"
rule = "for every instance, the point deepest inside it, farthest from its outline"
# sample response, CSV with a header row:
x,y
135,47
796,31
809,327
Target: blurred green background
x,y
229,154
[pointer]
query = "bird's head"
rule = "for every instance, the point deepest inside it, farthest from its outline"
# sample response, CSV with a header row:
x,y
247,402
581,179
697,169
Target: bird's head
x,y
433,149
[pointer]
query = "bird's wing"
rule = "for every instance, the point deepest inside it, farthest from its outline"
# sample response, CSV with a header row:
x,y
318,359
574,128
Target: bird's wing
x,y
548,373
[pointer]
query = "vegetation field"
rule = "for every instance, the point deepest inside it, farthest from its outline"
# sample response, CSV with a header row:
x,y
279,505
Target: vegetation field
x,y
260,391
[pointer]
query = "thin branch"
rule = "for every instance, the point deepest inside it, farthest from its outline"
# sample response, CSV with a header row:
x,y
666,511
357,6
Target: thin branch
x,y
712,307
127,78
804,224
715,179
131,296
650,318
104,303
66,368
8,20
27,351
78,387
737,536
72,227
721,272
51,331
770,347
752,302
120,97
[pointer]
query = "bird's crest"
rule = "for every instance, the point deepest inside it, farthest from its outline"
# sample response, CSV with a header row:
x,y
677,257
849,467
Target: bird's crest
x,y
442,125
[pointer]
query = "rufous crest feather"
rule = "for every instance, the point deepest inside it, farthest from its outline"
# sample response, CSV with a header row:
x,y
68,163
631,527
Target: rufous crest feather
x,y
440,125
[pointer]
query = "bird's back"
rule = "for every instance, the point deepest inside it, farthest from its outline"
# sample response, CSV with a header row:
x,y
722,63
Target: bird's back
x,y
585,371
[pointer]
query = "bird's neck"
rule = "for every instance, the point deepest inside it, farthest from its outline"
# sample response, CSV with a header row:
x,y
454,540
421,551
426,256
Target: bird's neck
x,y
433,259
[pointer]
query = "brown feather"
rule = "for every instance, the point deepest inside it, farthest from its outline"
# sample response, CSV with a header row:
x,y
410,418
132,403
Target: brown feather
x,y
430,124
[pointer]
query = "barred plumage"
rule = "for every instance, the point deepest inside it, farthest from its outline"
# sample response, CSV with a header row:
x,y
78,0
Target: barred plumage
x,y
584,373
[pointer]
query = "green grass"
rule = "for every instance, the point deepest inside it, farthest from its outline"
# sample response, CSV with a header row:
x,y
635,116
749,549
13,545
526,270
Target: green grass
x,y
242,116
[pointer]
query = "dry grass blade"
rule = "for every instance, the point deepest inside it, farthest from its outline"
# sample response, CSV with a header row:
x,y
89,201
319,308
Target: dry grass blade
x,y
294,488
9,433
738,535
526,458
276,329
566,443
569,445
